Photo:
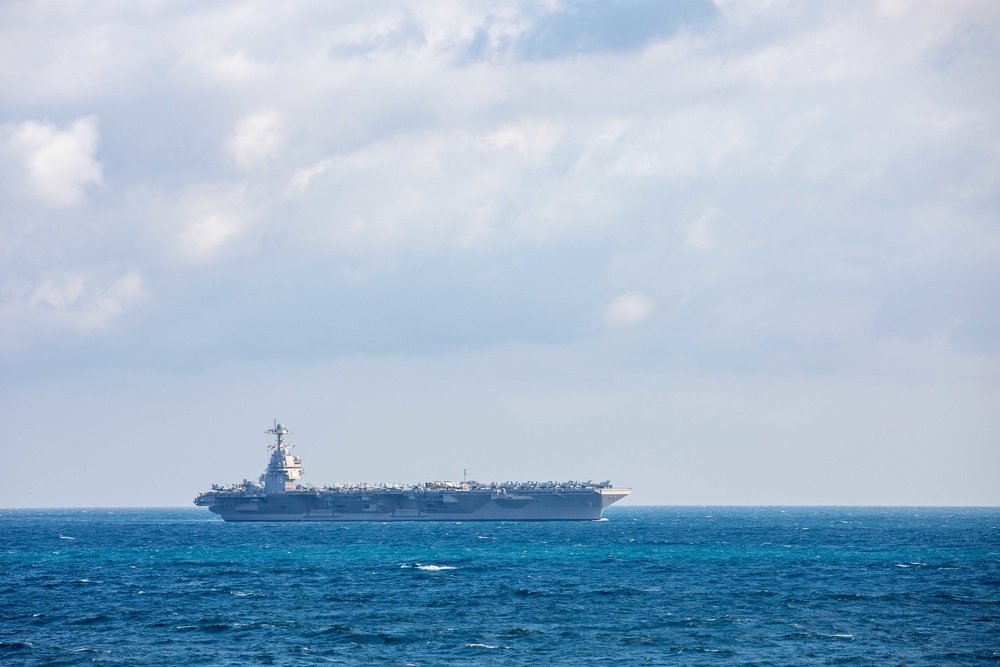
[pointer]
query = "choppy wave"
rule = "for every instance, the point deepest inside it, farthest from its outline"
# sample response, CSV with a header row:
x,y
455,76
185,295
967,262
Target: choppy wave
x,y
649,586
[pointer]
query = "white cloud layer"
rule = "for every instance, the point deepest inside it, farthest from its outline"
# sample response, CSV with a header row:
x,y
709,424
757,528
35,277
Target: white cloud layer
x,y
786,147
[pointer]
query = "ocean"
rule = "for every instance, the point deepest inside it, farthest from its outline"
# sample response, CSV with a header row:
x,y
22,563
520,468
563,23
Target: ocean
x,y
647,586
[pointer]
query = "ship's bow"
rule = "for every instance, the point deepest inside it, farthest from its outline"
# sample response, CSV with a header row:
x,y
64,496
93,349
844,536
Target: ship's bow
x,y
611,496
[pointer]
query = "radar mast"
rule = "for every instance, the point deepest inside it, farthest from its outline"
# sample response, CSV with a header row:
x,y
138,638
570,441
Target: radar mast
x,y
279,431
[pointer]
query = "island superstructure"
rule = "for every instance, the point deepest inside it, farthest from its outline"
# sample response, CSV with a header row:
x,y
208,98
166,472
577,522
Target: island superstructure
x,y
278,495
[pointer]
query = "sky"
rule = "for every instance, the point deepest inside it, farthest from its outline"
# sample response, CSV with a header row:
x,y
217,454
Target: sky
x,y
729,252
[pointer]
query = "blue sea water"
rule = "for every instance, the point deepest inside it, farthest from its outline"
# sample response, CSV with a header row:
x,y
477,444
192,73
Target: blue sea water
x,y
660,586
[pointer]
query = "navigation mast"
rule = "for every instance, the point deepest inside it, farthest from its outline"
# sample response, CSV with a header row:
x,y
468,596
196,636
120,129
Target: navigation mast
x,y
279,431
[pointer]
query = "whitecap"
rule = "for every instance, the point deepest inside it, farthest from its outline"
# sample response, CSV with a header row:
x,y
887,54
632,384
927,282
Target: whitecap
x,y
66,537
434,568
481,646
902,565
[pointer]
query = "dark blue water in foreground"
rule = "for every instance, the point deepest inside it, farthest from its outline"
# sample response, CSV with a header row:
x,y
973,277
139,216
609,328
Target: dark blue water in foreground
x,y
678,586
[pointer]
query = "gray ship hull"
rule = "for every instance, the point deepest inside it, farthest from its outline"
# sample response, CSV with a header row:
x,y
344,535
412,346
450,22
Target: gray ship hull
x,y
457,505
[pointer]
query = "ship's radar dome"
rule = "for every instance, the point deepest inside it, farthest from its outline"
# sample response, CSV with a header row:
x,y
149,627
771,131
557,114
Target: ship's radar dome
x,y
279,427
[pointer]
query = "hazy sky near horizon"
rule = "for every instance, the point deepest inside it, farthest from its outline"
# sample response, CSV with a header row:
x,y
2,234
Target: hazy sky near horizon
x,y
722,252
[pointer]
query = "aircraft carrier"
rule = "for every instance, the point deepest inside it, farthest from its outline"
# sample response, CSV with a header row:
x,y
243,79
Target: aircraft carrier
x,y
279,496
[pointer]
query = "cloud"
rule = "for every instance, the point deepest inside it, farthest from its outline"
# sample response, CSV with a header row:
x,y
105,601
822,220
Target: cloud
x,y
627,310
423,192
700,234
212,217
83,304
549,31
65,301
534,139
209,232
229,69
300,181
256,139
59,165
